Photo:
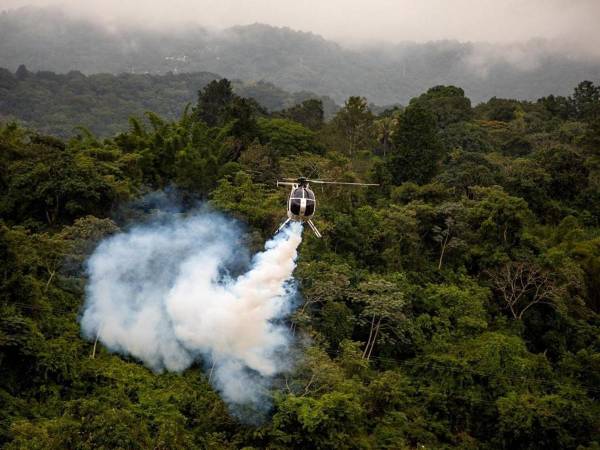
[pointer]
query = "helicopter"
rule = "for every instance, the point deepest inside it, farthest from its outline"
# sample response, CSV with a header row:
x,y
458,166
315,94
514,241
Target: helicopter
x,y
302,203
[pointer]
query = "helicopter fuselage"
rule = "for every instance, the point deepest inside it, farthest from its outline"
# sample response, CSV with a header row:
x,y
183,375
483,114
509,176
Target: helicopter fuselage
x,y
301,203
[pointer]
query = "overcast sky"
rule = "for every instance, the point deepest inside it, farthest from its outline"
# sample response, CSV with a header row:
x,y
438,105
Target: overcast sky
x,y
357,21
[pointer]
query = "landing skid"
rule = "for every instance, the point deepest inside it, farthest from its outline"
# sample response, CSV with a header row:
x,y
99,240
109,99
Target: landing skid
x,y
312,227
310,224
282,225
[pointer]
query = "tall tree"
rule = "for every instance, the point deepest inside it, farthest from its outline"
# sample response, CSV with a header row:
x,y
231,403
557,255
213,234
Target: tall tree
x,y
586,101
355,124
384,301
418,147
214,101
384,130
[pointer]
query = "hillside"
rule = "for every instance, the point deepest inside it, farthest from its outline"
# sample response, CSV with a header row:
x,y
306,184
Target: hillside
x,y
59,103
46,39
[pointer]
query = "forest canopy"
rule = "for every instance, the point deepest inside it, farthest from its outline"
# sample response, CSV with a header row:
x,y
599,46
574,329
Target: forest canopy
x,y
454,306
58,104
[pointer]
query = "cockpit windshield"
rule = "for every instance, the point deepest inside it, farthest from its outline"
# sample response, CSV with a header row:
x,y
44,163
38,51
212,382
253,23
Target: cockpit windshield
x,y
302,202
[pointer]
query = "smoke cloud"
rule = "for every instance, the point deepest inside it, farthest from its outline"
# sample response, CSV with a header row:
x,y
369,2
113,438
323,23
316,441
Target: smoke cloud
x,y
173,293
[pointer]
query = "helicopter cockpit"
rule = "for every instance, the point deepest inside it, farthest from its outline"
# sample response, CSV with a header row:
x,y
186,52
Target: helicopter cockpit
x,y
302,202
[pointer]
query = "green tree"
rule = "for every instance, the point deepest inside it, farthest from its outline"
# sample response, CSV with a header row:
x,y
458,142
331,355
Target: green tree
x,y
214,102
384,129
463,170
586,101
308,113
384,300
566,167
447,103
48,182
499,222
417,147
528,421
354,123
333,420
287,137
498,109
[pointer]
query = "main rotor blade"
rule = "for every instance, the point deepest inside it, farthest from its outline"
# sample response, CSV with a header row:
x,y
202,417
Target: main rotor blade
x,y
342,182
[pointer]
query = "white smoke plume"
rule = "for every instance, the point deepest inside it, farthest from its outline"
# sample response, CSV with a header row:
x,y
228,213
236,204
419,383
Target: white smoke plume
x,y
168,295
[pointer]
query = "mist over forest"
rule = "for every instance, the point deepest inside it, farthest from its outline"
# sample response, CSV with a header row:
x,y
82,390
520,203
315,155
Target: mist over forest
x,y
50,39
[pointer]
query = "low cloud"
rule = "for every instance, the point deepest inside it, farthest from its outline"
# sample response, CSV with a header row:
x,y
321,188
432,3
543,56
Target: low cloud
x,y
569,23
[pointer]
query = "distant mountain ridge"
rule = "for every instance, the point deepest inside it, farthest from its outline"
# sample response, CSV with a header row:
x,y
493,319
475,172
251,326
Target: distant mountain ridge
x,y
48,39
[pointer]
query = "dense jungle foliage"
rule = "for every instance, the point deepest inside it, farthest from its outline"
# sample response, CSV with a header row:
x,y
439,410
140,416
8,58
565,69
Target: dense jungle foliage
x,y
454,306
